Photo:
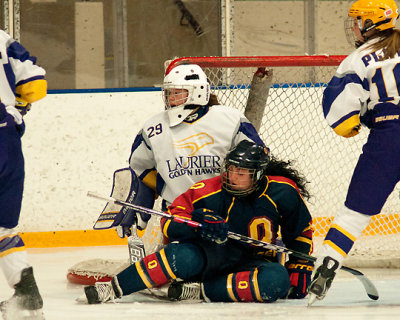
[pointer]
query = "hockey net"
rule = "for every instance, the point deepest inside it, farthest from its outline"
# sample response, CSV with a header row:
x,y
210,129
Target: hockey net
x,y
282,96
291,123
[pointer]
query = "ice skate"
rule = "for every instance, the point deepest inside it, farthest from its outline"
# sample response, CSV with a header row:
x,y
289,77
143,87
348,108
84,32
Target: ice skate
x,y
322,279
26,303
180,290
102,292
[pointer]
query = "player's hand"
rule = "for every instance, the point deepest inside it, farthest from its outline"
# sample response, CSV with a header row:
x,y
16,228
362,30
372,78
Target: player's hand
x,y
22,106
300,277
353,132
130,218
214,228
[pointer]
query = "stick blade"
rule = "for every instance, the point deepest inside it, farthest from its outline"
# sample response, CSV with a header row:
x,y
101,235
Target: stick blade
x,y
370,288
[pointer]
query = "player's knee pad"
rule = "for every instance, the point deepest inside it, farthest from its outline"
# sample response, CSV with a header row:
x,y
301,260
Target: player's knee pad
x,y
267,283
264,284
273,282
186,259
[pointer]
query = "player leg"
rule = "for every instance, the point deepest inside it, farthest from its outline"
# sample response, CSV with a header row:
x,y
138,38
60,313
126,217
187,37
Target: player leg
x,y
175,261
265,283
26,300
374,178
13,257
344,230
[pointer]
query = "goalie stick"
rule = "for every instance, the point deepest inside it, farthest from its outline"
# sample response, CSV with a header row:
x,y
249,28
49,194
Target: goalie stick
x,y
369,287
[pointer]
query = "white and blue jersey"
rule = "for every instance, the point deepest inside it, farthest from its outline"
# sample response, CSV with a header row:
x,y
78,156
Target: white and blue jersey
x,y
364,86
20,78
365,89
19,75
171,159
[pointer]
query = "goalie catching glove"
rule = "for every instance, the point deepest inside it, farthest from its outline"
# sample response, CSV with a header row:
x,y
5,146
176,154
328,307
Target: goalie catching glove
x,y
214,228
300,277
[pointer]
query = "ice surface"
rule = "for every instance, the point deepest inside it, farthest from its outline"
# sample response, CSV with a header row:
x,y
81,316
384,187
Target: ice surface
x,y
345,300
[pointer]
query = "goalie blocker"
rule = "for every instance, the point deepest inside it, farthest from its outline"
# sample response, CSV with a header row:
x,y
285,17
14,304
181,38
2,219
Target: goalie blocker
x,y
126,185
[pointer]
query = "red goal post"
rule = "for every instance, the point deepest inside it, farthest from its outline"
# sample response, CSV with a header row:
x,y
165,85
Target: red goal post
x,y
258,61
292,125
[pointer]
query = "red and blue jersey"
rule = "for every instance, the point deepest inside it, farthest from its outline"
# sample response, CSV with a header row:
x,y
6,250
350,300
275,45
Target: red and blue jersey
x,y
277,208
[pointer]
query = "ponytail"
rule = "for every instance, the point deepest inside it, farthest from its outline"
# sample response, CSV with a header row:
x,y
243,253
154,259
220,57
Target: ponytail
x,y
389,43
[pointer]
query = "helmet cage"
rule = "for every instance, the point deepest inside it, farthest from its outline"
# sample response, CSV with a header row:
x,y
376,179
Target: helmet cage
x,y
350,25
236,189
185,94
246,158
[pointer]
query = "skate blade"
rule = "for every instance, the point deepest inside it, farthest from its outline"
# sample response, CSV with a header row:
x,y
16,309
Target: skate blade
x,y
82,299
24,315
311,299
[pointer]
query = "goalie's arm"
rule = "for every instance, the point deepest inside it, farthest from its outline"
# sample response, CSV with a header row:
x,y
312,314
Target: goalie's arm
x,y
141,159
246,131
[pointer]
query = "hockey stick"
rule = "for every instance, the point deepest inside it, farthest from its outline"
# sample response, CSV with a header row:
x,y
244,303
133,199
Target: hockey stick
x,y
369,287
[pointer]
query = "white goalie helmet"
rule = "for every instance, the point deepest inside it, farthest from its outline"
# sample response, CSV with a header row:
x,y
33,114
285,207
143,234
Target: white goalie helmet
x,y
185,88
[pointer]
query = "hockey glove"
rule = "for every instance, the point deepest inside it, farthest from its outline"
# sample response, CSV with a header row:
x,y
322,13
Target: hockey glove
x,y
22,106
130,218
214,228
300,277
354,131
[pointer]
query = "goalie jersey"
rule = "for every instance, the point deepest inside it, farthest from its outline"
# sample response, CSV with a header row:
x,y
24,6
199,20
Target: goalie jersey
x,y
171,159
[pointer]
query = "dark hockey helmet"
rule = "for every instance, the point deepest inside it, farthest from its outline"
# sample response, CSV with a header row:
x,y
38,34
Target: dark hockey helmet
x,y
247,160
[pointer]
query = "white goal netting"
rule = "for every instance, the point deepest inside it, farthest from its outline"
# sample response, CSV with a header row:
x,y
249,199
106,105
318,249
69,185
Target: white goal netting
x,y
293,126
290,121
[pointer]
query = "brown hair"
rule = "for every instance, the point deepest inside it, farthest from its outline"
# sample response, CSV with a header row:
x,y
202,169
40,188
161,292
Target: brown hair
x,y
213,100
390,43
277,167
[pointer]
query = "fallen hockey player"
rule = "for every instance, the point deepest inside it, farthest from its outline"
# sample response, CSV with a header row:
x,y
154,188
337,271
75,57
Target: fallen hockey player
x,y
255,196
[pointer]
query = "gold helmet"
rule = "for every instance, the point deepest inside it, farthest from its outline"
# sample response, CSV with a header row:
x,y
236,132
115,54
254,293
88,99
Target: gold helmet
x,y
369,15
382,14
